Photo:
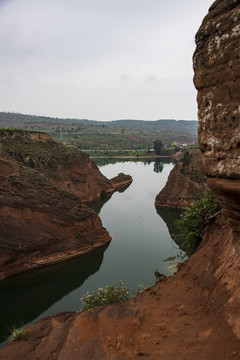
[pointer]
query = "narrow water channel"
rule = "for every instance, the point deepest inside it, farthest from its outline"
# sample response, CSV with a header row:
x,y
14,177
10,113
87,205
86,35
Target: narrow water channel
x,y
141,240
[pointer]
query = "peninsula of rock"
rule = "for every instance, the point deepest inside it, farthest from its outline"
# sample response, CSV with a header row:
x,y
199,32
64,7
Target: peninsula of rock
x,y
43,188
185,183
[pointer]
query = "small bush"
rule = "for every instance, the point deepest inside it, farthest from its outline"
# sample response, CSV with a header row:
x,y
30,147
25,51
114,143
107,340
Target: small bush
x,y
192,223
110,295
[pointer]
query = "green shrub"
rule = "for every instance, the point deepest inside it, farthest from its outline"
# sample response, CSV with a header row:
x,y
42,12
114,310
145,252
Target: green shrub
x,y
192,223
110,295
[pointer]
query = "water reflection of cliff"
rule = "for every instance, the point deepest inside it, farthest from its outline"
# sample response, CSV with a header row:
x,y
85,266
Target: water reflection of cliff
x,y
26,296
158,166
98,204
170,216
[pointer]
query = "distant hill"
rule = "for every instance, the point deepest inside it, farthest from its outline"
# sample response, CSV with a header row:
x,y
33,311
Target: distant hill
x,y
104,135
11,119
163,124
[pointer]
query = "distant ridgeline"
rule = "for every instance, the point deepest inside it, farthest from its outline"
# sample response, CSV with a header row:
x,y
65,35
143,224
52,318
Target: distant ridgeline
x,y
105,135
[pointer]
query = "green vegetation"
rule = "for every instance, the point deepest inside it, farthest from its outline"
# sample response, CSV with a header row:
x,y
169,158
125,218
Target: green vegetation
x,y
190,166
41,152
158,275
117,153
110,295
107,136
176,262
157,145
192,223
19,333
39,159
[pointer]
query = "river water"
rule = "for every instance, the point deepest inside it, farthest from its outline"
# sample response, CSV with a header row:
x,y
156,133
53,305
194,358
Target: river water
x,y
141,240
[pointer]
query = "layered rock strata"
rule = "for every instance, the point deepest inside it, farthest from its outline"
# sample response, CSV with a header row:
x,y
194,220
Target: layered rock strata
x,y
43,219
185,183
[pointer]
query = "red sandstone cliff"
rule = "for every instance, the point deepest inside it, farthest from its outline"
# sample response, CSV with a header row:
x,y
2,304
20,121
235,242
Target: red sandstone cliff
x,y
196,313
42,216
185,183
217,72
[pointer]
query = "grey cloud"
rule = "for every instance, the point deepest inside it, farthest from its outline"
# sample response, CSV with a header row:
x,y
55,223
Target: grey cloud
x,y
151,78
96,44
125,78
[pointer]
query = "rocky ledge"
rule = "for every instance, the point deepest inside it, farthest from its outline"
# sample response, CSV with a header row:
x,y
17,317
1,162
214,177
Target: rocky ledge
x,y
185,183
43,219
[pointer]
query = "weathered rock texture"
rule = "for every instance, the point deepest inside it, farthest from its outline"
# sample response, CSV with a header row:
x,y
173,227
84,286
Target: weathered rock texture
x,y
42,216
185,183
217,71
196,313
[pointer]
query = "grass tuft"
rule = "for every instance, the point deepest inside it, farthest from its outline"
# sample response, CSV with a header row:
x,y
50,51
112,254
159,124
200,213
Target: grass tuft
x,y
19,333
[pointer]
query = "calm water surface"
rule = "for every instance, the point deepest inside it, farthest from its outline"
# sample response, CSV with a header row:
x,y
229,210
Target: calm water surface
x,y
141,240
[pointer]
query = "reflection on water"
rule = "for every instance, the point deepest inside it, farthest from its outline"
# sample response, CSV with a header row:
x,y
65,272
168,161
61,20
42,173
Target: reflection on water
x,y
97,205
106,161
170,216
158,166
25,296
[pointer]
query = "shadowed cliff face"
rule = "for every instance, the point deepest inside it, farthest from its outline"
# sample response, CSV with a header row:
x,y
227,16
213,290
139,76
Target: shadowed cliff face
x,y
217,71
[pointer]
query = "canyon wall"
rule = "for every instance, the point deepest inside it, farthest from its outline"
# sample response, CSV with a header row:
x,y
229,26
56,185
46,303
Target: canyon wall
x,y
217,71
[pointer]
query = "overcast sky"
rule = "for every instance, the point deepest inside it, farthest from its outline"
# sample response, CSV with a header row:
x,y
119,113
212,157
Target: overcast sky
x,y
99,59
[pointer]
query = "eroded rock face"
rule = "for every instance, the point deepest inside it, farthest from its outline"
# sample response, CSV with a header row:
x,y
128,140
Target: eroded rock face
x,y
185,183
217,78
42,189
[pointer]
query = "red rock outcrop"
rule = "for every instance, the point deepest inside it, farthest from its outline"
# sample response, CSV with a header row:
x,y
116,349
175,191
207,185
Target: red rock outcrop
x,y
217,72
196,313
185,183
42,216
